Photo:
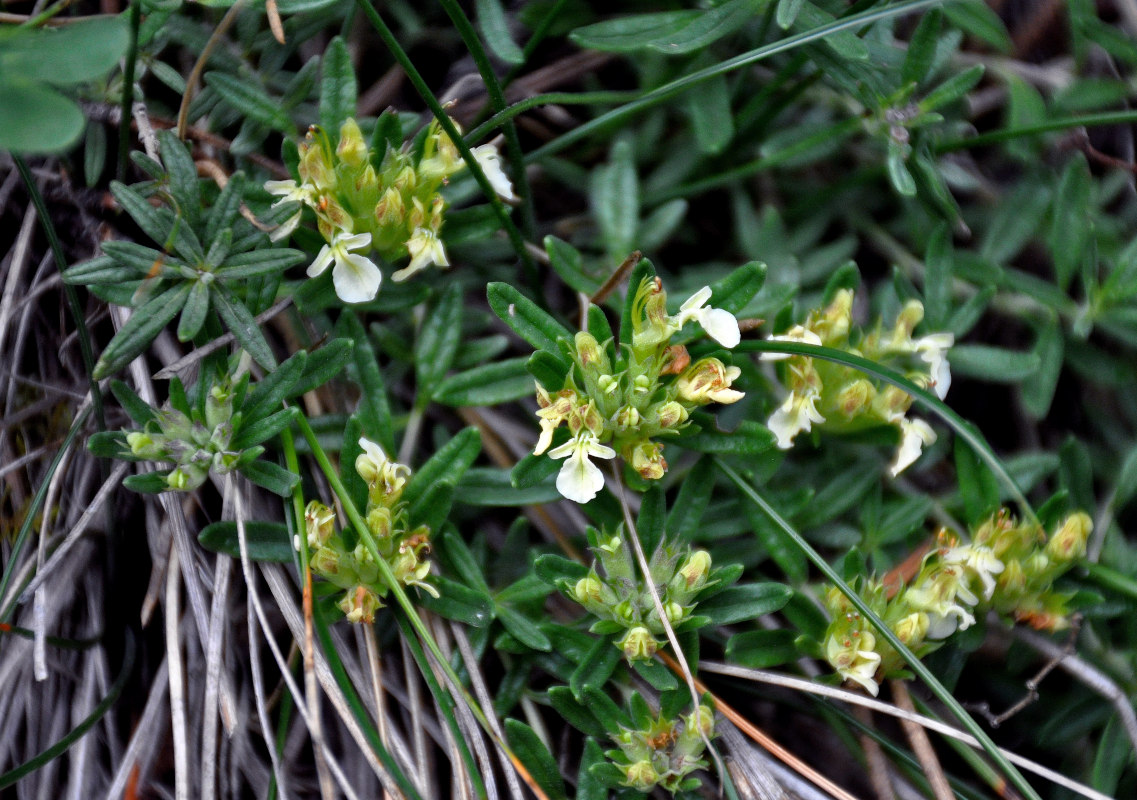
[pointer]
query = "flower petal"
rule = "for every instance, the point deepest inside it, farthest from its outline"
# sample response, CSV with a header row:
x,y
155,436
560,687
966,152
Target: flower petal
x,y
356,278
322,262
721,326
579,479
916,433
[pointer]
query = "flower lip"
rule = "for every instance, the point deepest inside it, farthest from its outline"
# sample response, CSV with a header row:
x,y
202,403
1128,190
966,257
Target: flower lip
x,y
356,278
579,479
719,324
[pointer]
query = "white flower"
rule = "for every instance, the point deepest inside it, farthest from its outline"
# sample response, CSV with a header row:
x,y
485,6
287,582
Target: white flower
x,y
488,159
289,192
579,479
720,325
375,468
425,248
980,560
355,277
916,433
795,415
856,662
933,350
795,334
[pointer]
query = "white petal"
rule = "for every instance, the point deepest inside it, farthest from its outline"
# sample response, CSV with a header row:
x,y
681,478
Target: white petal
x,y
546,437
323,260
355,242
721,326
795,334
281,188
695,301
579,479
356,279
373,451
284,229
783,423
594,448
488,159
916,433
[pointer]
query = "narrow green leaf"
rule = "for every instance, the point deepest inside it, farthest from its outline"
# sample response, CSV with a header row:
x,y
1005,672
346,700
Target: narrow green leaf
x,y
140,330
487,385
568,263
978,19
745,603
588,785
183,176
574,712
845,43
448,464
110,444
251,100
490,486
594,671
652,519
922,48
267,395
977,486
1038,388
898,174
337,87
748,439
708,108
952,89
937,278
325,365
257,431
147,482
223,213
374,408
787,12
459,603
694,495
259,262
270,476
244,327
194,311
94,153
615,200
157,225
438,339
993,363
538,761
669,32
266,541
526,318
1070,223
733,292
101,269
138,409
762,649
523,629
495,28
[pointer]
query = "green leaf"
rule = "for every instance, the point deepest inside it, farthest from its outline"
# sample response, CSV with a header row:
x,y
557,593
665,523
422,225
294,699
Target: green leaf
x,y
762,649
138,409
845,44
668,32
536,758
733,292
977,486
259,262
532,470
183,176
266,396
140,330
596,700
144,260
568,263
652,518
495,28
659,676
110,444
487,385
553,569
708,108
337,87
588,785
223,213
94,153
524,629
691,502
327,363
993,364
526,318
549,370
1038,388
748,439
80,52
251,100
265,541
101,269
147,482
745,603
490,486
952,89
787,12
781,548
922,48
270,476
574,712
37,118
898,174
194,311
438,340
976,18
1070,224
374,408
456,556
594,671
244,327
615,200
433,506
459,603
261,430
937,278
156,224
448,464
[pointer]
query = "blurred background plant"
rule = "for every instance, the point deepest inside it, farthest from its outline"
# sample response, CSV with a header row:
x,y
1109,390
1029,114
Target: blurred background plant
x,y
971,161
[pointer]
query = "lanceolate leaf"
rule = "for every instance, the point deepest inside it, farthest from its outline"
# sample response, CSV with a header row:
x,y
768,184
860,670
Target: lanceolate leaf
x,y
140,330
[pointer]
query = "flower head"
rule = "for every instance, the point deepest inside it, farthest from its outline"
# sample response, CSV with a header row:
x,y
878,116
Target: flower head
x,y
356,277
380,472
579,479
855,659
720,325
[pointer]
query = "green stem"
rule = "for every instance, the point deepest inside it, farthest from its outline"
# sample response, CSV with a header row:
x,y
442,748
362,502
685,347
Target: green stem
x,y
938,689
561,98
128,90
448,125
497,103
60,747
962,428
680,85
1060,124
81,332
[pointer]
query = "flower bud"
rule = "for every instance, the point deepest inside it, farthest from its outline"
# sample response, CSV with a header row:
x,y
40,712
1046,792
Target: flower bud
x,y
628,418
671,414
641,776
912,629
708,380
855,396
319,522
328,563
906,322
1069,542
218,405
648,460
352,149
187,477
146,445
591,354
638,644
379,522
589,591
701,721
695,571
835,321
675,360
360,605
390,210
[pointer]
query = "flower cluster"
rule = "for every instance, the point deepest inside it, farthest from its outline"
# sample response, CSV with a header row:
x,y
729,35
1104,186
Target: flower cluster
x,y
628,395
623,602
1008,567
839,399
384,200
197,441
664,751
353,568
